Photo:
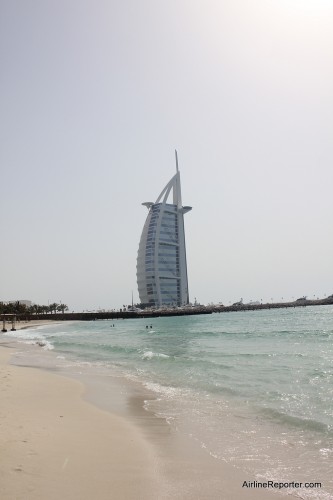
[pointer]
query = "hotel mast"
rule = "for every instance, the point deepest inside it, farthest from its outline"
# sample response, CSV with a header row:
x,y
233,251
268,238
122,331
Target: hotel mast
x,y
161,262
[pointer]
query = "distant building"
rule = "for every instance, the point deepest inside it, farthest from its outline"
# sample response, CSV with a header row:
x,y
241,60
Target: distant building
x,y
27,303
161,261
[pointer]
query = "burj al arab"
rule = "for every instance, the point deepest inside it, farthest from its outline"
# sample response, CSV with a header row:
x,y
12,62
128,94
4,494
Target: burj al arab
x,y
161,262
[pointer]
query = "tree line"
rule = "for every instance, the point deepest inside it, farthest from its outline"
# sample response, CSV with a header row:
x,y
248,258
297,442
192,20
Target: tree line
x,y
22,309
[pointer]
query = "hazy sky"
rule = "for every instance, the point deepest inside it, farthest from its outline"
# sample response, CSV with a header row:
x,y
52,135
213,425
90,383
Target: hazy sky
x,y
95,97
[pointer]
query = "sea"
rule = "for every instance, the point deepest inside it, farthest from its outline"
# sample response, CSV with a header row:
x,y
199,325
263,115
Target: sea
x,y
252,388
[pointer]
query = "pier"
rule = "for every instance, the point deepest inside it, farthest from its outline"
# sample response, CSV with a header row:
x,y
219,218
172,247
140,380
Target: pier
x,y
165,312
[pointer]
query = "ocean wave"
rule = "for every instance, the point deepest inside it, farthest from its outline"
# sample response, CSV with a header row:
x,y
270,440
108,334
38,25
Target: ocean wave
x,y
25,335
151,355
83,348
31,337
299,422
166,391
44,344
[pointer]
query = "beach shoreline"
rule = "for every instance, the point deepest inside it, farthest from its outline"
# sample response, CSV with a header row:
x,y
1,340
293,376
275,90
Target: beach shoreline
x,y
31,323
49,421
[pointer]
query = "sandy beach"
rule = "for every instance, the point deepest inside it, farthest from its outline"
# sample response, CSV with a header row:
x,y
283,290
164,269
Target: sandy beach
x,y
55,445
60,439
33,323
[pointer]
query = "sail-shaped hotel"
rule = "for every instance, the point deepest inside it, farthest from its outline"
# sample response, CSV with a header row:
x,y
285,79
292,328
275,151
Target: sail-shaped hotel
x,y
161,262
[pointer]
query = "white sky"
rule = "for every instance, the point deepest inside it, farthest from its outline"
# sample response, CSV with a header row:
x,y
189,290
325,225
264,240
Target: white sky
x,y
96,95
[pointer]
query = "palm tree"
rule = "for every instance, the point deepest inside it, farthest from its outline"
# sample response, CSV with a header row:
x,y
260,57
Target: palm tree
x,y
62,308
45,309
34,309
20,309
53,307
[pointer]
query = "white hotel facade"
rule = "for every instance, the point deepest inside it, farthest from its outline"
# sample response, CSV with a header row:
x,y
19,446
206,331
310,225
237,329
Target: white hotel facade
x,y
161,262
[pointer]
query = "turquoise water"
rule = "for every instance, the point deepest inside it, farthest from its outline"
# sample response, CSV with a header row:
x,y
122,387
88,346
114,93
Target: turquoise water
x,y
252,388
